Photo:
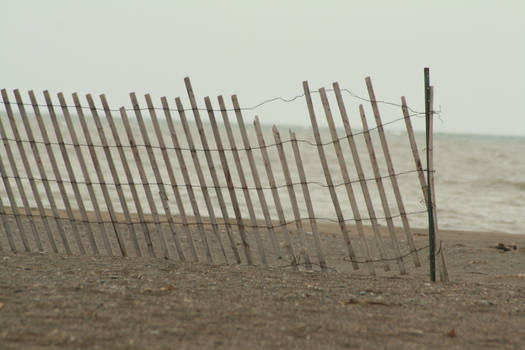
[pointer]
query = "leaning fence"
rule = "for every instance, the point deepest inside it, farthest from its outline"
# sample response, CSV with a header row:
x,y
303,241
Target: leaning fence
x,y
137,182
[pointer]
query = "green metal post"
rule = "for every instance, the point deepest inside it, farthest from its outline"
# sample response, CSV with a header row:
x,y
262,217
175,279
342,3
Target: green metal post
x,y
431,231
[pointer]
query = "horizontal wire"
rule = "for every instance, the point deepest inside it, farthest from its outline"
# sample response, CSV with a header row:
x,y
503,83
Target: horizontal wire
x,y
181,223
226,149
317,183
357,261
391,259
251,108
308,265
350,259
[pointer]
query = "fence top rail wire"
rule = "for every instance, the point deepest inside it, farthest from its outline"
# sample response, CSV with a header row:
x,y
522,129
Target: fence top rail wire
x,y
250,108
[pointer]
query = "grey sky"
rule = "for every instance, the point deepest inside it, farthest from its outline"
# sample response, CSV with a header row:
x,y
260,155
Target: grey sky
x,y
263,49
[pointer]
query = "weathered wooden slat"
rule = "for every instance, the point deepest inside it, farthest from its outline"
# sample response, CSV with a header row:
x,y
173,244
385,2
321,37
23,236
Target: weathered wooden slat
x,y
255,174
98,170
58,178
29,174
328,176
211,167
308,201
145,182
27,168
132,187
115,176
361,176
83,167
171,176
109,159
413,146
242,178
443,271
18,181
187,180
5,224
117,183
293,200
14,206
200,175
229,183
160,183
346,179
382,193
275,193
392,173
71,175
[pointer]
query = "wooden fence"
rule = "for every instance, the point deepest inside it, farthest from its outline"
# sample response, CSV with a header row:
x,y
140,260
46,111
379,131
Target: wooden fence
x,y
134,192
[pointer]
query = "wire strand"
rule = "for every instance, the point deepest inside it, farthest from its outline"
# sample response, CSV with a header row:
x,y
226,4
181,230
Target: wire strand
x,y
250,108
357,261
218,223
225,149
126,183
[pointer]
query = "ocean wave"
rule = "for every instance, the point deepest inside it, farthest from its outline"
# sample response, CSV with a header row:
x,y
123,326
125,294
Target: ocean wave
x,y
516,185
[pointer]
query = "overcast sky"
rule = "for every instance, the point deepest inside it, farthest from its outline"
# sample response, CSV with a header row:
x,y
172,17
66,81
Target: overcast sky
x,y
264,49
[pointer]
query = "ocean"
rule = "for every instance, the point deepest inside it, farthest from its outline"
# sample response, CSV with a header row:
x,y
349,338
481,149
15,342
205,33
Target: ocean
x,y
479,186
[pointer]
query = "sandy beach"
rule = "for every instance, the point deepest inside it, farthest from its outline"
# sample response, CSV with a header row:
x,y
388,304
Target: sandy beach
x,y
69,302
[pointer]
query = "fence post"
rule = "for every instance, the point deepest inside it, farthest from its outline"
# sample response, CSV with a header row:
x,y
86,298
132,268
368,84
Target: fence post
x,y
431,233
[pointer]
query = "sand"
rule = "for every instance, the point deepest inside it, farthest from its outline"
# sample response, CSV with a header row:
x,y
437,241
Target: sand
x,y
69,302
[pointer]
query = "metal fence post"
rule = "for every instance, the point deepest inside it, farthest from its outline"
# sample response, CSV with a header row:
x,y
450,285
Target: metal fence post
x,y
431,233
